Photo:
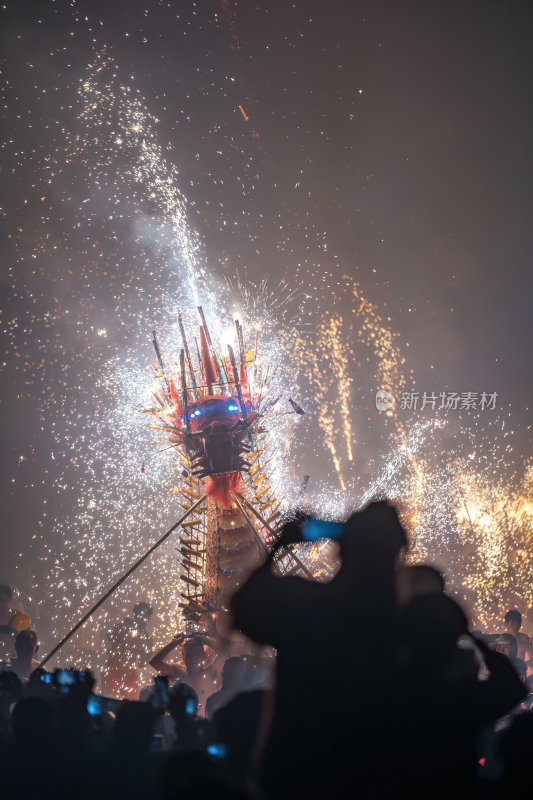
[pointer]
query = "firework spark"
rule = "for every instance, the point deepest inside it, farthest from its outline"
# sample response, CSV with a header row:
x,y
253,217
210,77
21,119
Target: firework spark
x,y
126,218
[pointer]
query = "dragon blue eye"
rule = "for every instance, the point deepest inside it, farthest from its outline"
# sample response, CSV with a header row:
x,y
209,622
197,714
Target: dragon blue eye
x,y
233,408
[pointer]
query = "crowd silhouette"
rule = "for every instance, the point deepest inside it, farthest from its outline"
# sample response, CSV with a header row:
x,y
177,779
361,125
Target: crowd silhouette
x,y
371,685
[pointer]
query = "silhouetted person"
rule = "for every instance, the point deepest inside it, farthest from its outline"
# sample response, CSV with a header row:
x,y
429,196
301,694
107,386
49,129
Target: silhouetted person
x,y
26,647
128,768
183,707
199,667
11,685
441,707
239,725
233,674
330,675
29,766
33,723
513,623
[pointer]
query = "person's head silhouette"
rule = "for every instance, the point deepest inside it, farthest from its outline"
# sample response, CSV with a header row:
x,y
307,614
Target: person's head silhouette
x,y
513,621
373,535
26,644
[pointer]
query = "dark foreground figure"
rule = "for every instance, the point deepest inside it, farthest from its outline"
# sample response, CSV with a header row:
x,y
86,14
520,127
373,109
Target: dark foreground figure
x,y
373,698
380,692
332,665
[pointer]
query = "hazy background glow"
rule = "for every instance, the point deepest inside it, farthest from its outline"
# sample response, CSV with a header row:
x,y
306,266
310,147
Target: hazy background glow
x,y
379,169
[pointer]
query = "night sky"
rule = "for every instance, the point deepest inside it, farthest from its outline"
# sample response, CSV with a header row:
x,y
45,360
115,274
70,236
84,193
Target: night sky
x,y
387,141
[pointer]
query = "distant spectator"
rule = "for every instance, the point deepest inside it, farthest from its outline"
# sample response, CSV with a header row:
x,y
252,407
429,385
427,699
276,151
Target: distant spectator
x,y
513,623
233,674
26,647
199,668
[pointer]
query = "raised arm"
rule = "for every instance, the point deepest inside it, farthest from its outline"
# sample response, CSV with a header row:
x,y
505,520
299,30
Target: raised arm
x,y
158,662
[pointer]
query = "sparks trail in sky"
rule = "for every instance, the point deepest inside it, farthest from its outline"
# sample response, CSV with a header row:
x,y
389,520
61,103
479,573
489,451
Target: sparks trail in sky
x,y
131,190
333,360
128,187
118,249
337,354
472,512
127,170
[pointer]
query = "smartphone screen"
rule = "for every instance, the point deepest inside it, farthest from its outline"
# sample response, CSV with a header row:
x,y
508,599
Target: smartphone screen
x,y
218,750
190,705
64,677
314,529
95,705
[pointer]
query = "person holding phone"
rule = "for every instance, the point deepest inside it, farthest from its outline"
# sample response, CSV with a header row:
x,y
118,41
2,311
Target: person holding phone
x,y
199,666
327,635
